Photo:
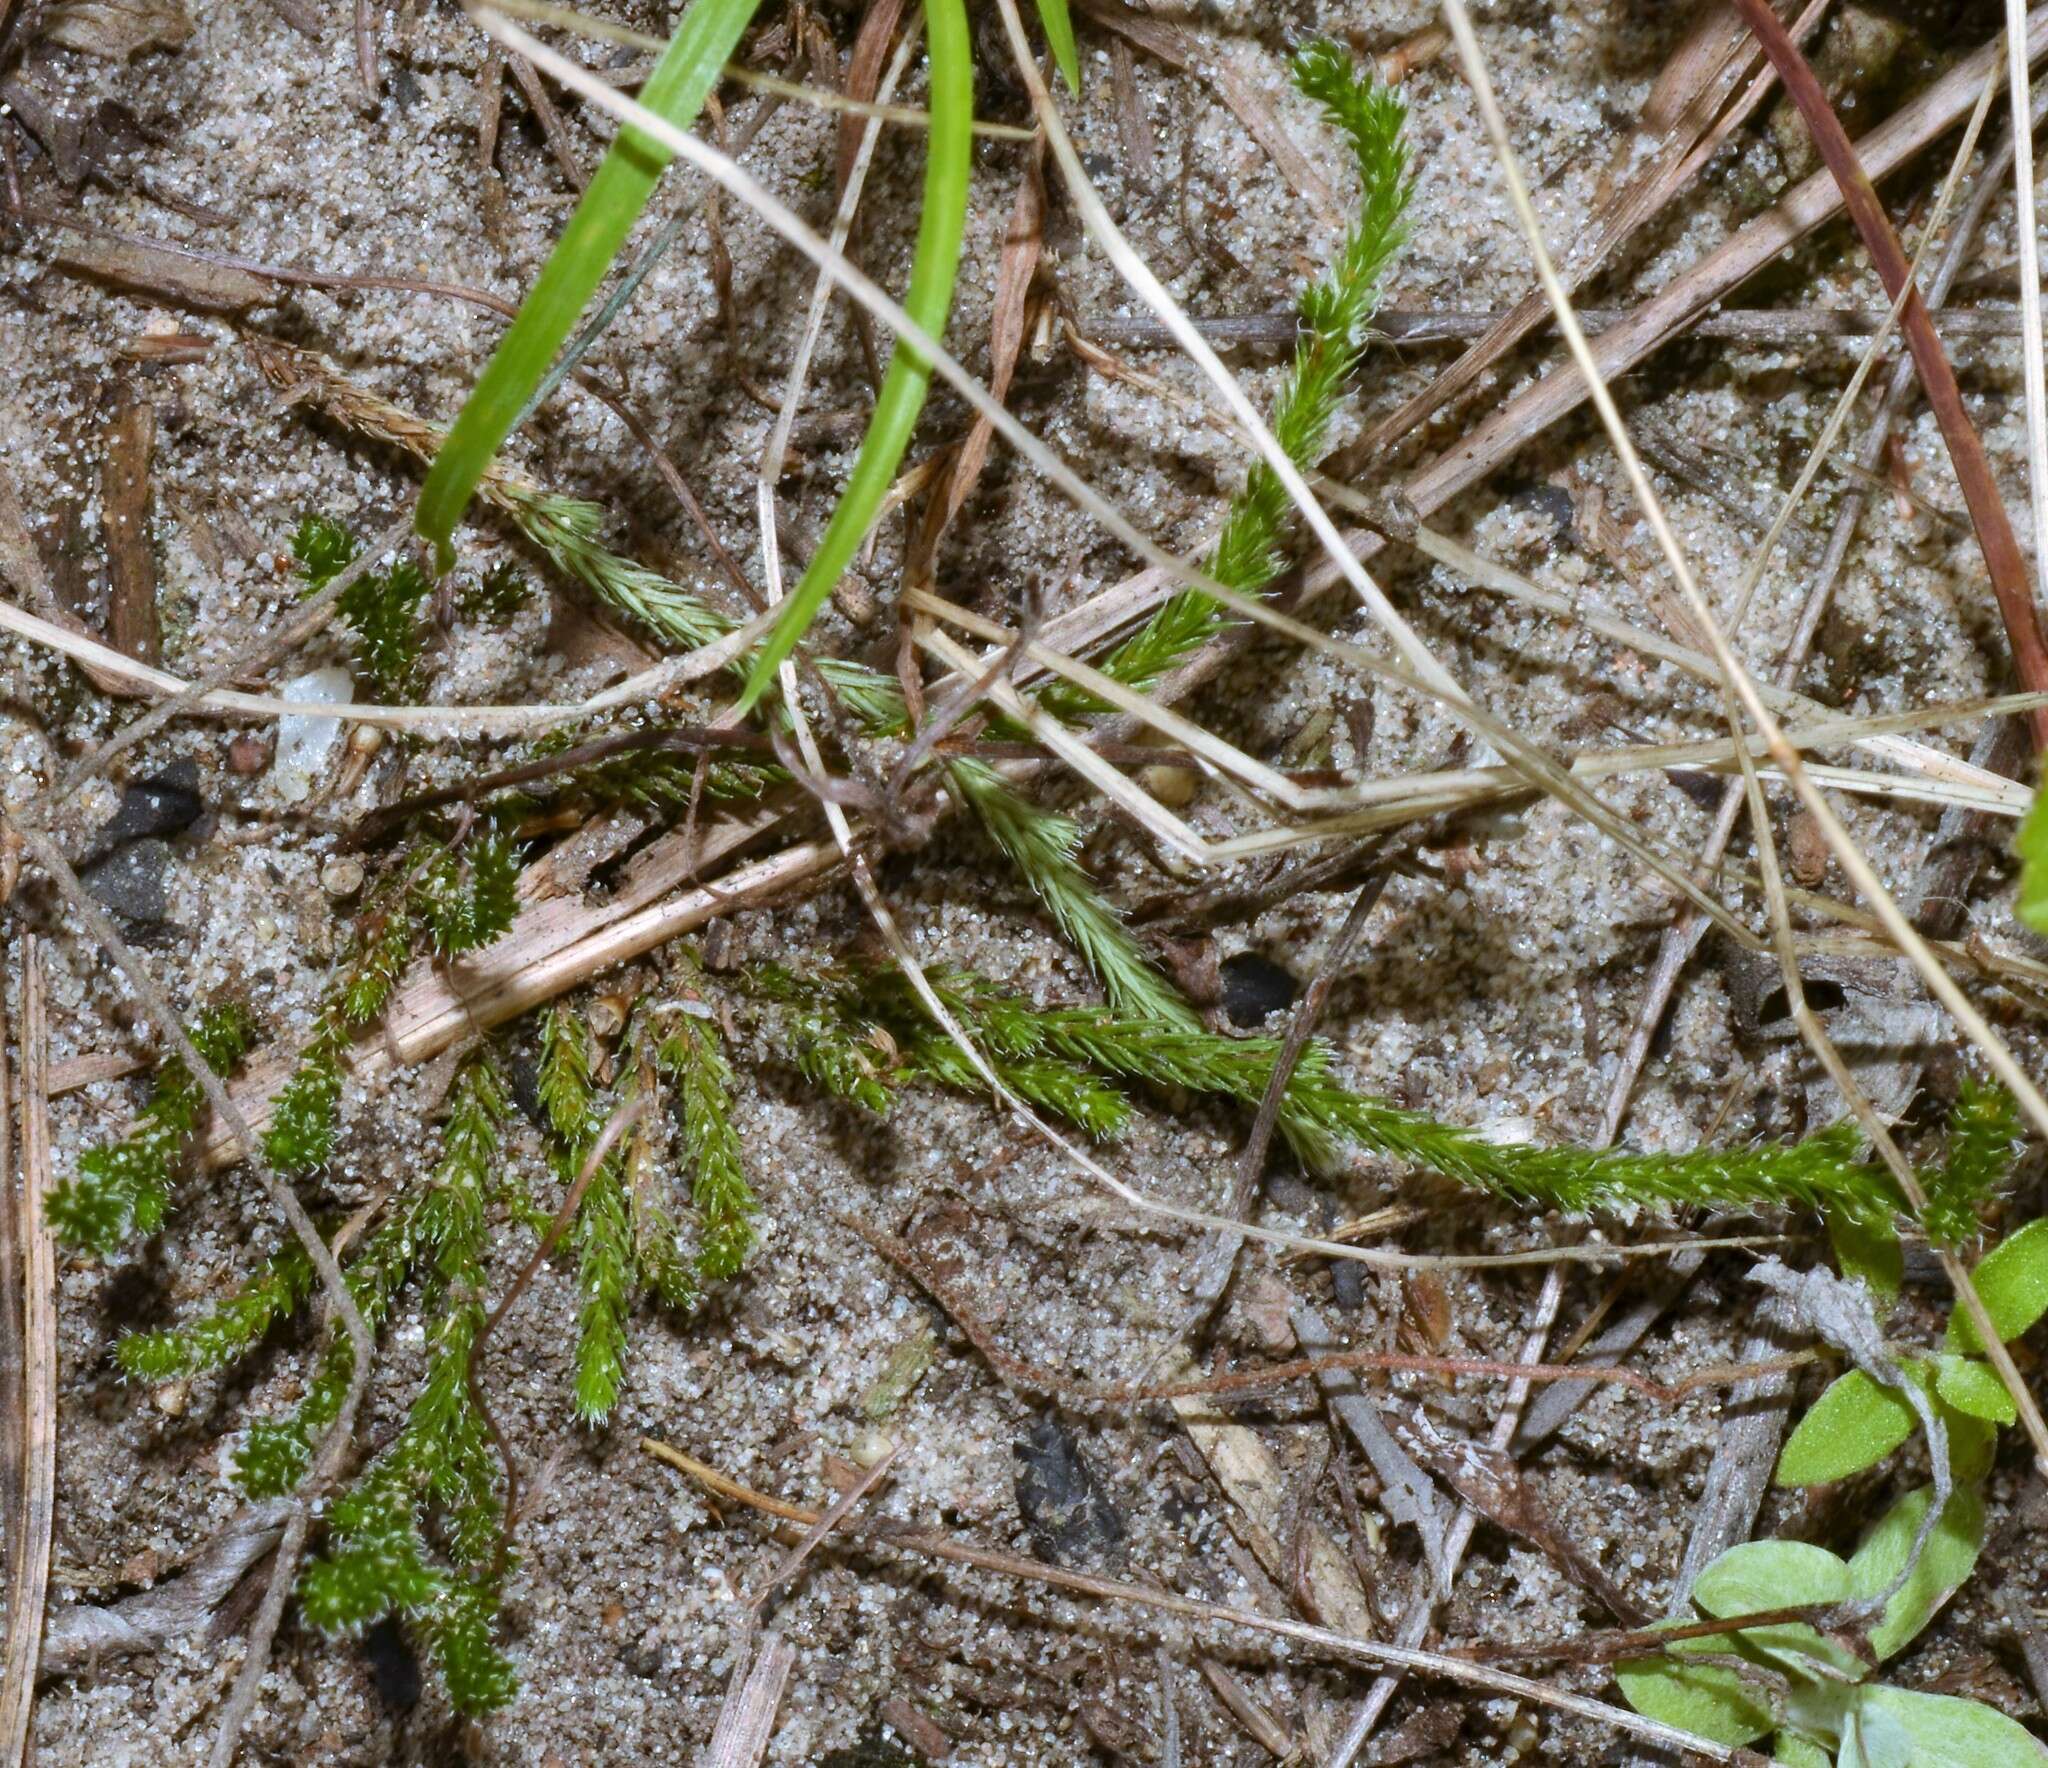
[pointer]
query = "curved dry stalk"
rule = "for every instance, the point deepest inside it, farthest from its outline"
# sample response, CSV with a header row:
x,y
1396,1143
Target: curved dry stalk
x,y
458,721
1743,688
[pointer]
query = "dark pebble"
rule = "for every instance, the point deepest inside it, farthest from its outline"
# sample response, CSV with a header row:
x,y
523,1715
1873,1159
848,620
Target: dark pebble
x,y
1070,1516
393,1666
1254,987
133,881
163,804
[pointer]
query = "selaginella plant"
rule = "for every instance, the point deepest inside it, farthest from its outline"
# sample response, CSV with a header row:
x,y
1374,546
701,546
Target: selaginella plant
x,y
420,1531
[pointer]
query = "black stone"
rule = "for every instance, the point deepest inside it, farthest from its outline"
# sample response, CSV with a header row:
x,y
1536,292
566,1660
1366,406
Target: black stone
x,y
133,881
394,1668
1070,1516
1254,987
163,804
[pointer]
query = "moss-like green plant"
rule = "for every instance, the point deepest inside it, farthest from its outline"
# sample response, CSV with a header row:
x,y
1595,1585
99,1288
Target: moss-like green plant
x,y
1320,1115
454,900
625,1232
382,607
689,1058
124,1187
440,1468
1041,845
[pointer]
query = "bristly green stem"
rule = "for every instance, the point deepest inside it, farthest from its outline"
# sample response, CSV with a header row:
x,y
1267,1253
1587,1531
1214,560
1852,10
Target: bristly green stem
x,y
704,42
940,230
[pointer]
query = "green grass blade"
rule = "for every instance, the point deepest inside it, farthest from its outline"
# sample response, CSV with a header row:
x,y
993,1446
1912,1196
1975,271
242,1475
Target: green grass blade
x,y
948,162
704,42
1058,25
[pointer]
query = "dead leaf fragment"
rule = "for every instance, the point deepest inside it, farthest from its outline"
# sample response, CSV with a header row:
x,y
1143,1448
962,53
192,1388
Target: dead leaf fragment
x,y
191,282
117,29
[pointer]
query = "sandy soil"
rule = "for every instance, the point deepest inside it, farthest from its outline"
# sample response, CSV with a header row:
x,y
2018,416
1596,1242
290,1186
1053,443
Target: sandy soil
x,y
1495,993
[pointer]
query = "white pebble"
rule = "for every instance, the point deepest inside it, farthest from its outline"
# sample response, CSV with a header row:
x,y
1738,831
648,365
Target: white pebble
x,y
305,746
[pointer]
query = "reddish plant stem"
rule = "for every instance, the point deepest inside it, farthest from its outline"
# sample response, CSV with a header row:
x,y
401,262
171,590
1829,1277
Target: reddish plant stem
x,y
1995,537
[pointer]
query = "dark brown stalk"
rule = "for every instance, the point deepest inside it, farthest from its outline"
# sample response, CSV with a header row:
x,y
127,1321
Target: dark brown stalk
x,y
2000,546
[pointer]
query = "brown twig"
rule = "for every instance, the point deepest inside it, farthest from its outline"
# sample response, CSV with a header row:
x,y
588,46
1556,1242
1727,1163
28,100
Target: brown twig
x,y
33,1504
366,48
1995,537
1614,1644
132,623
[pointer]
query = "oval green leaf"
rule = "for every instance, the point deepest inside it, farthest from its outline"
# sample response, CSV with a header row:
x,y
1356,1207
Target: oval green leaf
x,y
2013,1280
1854,1425
1899,1728
1946,1561
1760,1575
1973,1387
1704,1699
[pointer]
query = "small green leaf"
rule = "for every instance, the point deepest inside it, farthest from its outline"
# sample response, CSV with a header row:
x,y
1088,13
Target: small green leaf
x,y
1970,1444
1946,1561
1866,1247
2013,1280
1797,1750
1058,26
2031,845
1704,1699
1973,1387
1854,1425
1762,1575
1899,1728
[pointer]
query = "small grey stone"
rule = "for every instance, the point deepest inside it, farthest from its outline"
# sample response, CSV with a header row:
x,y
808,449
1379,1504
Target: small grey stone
x,y
134,881
1071,1518
163,804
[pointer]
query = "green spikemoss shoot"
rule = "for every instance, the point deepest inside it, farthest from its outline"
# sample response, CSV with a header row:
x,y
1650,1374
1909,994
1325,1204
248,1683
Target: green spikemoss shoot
x,y
1041,845
1320,1115
1983,1140
124,1187
1335,309
690,1059
382,608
